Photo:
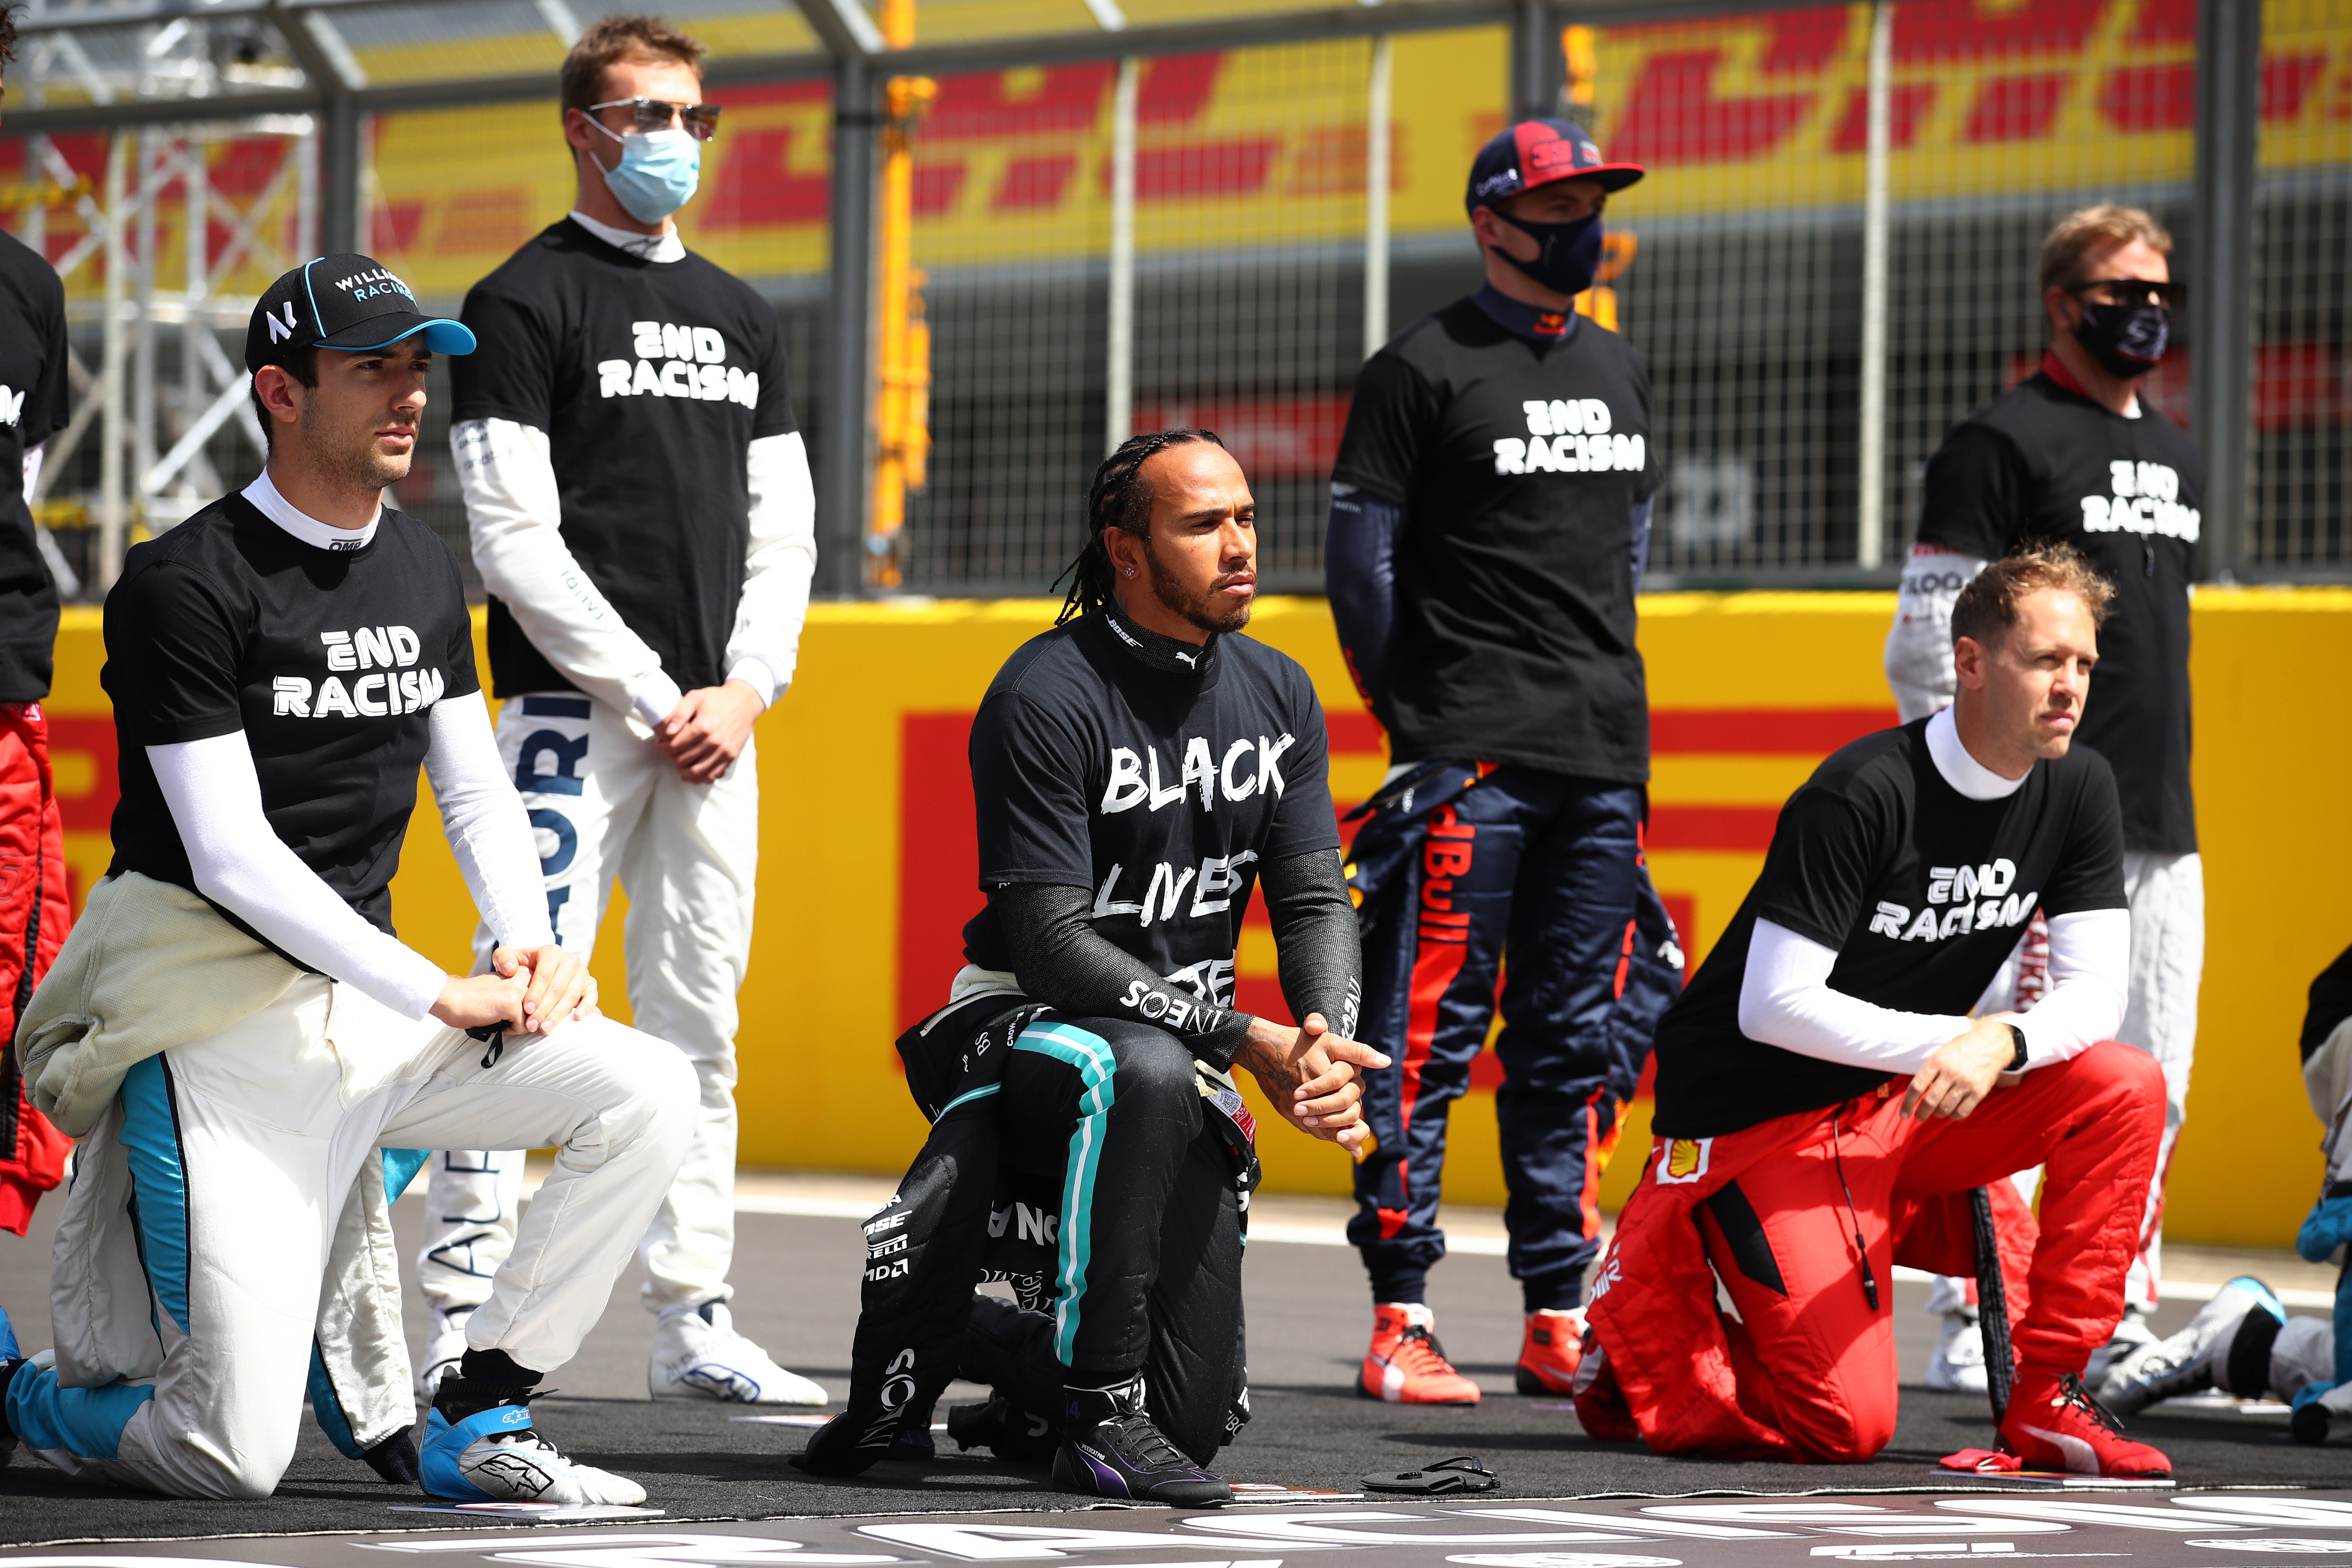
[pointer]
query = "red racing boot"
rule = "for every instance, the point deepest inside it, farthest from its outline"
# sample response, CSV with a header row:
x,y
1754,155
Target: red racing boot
x,y
1405,1364
2053,1424
1549,1353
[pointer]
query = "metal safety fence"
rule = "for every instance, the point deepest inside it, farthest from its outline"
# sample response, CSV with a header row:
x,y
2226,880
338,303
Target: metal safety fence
x,y
1197,219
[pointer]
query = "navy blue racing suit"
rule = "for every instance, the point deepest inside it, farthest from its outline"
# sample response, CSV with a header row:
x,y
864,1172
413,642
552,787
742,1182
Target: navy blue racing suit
x,y
1487,617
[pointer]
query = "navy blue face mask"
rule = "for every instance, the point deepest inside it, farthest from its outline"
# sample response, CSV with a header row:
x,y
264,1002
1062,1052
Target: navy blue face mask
x,y
2127,340
1569,256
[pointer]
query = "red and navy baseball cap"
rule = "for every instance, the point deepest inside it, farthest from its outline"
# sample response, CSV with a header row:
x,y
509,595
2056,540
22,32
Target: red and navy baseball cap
x,y
343,302
1536,153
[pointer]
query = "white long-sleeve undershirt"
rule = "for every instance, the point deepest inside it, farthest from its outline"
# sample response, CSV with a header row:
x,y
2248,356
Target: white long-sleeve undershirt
x,y
1919,644
514,509
1785,998
241,864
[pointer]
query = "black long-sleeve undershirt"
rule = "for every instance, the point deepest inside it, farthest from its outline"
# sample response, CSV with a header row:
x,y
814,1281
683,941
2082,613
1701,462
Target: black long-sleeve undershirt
x,y
1059,958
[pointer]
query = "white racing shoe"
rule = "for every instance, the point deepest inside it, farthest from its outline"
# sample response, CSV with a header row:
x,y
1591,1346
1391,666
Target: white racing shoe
x,y
1958,1365
2132,1336
444,1347
2186,1363
697,1355
495,1456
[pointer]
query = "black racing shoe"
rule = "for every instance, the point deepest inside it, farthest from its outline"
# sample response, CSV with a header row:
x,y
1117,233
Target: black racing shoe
x,y
1006,1428
1110,1448
394,1459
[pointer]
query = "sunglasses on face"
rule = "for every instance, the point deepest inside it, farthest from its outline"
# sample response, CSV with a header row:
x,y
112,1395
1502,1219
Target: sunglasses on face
x,y
2131,291
651,114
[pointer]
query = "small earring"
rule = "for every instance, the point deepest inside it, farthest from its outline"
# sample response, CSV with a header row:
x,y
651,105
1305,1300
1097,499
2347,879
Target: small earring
x,y
1130,571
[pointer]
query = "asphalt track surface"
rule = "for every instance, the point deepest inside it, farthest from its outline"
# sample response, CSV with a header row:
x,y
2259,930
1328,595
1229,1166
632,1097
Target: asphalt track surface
x,y
1307,1311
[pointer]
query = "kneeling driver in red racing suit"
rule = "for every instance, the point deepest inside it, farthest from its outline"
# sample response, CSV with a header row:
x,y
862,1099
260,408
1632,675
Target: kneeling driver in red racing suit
x,y
1825,1106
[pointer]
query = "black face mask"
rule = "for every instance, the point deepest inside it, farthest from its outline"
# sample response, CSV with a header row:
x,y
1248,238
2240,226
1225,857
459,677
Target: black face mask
x,y
1569,256
2127,340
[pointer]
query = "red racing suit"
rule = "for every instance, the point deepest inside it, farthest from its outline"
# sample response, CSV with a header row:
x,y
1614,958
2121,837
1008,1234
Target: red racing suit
x,y
1807,1373
34,911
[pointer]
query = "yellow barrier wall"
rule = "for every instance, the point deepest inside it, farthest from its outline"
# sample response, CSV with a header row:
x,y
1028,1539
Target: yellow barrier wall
x,y
820,1087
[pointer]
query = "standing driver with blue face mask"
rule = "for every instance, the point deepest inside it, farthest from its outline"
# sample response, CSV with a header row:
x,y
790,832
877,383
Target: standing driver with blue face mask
x,y
642,516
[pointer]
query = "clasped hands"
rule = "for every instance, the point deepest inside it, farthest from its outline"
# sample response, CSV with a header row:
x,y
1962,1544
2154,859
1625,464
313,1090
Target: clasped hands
x,y
531,990
1312,1077
1965,1068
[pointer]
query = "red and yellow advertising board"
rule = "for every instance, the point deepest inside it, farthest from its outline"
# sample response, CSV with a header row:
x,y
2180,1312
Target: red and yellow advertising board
x,y
1264,147
866,861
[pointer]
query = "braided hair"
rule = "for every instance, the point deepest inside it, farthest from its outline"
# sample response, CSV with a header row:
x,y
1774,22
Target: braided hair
x,y
1118,499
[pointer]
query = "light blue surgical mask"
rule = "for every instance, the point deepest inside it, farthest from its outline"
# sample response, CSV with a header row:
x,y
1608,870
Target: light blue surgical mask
x,y
659,170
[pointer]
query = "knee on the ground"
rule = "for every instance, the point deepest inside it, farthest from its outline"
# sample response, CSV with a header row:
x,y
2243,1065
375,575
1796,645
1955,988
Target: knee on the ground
x,y
1833,1429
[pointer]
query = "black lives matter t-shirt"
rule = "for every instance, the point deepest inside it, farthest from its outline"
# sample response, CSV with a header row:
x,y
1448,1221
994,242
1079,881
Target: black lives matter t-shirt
x,y
651,380
2040,462
1158,792
33,407
1922,893
329,662
1518,467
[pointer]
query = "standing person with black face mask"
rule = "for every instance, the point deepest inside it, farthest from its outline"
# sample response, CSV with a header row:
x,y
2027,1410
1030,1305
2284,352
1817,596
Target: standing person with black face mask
x,y
2073,454
639,499
1490,514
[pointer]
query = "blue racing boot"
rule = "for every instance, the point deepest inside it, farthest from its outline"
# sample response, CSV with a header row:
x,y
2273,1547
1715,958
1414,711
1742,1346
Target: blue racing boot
x,y
480,1447
11,1358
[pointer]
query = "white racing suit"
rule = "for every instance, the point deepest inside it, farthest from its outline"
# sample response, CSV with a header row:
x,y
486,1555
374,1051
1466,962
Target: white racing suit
x,y
2166,893
211,1191
608,806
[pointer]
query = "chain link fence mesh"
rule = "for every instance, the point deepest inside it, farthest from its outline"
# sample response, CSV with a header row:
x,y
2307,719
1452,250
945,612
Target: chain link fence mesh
x,y
1738,270
2303,309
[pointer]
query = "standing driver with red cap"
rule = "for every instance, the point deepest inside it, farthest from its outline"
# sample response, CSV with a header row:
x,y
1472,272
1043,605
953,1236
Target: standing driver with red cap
x,y
1490,513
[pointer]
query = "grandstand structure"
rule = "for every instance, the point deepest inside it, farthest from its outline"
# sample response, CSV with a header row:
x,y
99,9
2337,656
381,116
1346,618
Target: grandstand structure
x,y
1118,214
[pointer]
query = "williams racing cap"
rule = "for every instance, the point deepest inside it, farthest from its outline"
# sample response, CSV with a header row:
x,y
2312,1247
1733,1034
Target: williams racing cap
x,y
343,302
1536,153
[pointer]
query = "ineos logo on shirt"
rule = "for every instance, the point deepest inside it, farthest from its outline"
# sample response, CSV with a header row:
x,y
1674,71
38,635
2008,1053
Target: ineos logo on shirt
x,y
394,688
1570,435
1129,788
2146,499
675,361
1976,900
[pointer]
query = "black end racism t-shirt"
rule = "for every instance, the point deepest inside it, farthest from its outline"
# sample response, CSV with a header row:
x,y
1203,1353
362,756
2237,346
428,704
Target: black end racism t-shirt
x,y
1922,893
1159,793
329,662
33,407
651,380
2040,462
1518,467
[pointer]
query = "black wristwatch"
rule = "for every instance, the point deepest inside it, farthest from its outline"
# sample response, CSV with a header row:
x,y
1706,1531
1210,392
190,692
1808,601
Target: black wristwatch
x,y
2017,1058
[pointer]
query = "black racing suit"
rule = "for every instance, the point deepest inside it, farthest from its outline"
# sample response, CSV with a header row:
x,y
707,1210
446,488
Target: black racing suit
x,y
1086,1144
